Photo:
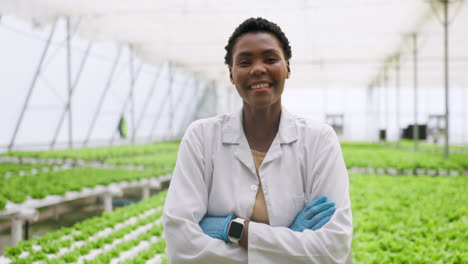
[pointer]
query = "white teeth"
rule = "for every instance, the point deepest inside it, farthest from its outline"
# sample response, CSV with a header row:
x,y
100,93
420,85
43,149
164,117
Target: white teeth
x,y
260,85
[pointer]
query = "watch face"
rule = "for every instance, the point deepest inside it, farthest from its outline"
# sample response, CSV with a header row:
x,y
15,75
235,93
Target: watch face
x,y
235,230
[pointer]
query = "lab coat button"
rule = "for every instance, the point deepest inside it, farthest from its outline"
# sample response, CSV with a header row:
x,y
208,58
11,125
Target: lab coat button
x,y
253,187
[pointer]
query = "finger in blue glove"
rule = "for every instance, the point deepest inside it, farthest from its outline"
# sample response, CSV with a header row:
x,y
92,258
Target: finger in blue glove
x,y
216,227
322,218
314,215
322,199
315,210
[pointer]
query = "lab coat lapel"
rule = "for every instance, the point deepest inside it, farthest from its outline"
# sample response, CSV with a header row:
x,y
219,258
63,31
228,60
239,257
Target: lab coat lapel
x,y
244,155
287,133
274,152
233,133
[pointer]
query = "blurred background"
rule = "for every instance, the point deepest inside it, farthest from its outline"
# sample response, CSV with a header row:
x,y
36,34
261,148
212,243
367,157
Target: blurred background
x,y
102,92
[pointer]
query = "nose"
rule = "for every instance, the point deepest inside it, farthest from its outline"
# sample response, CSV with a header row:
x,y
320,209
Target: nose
x,y
258,69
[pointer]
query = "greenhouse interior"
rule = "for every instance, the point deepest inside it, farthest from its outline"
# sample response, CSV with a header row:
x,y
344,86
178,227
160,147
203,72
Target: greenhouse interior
x,y
95,110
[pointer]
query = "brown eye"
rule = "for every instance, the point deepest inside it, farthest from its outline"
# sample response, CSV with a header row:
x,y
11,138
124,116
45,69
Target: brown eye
x,y
271,60
244,63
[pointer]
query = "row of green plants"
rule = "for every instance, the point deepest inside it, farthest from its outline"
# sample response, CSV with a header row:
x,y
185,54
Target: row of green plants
x,y
158,248
413,219
356,154
152,236
156,160
14,168
404,144
130,226
371,155
407,144
19,188
100,153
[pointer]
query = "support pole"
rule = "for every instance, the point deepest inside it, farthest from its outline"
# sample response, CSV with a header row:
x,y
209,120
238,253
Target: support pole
x,y
369,111
178,106
158,114
75,84
148,98
378,94
102,97
70,88
415,104
169,98
375,103
18,220
31,87
397,98
386,103
185,110
16,230
127,101
56,212
26,230
446,73
145,192
107,199
216,97
200,101
464,115
131,97
162,105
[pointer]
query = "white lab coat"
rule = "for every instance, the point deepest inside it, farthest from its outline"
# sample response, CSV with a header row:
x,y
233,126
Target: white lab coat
x,y
215,176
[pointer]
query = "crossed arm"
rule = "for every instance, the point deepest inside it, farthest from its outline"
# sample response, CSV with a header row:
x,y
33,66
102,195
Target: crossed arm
x,y
314,215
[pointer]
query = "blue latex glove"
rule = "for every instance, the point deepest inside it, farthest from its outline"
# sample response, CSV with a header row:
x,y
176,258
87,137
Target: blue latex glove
x,y
216,227
314,215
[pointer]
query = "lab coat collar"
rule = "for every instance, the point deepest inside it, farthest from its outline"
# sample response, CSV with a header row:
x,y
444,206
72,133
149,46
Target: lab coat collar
x,y
233,130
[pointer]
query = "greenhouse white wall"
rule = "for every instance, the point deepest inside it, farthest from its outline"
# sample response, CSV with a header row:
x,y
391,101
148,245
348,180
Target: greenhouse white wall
x,y
23,44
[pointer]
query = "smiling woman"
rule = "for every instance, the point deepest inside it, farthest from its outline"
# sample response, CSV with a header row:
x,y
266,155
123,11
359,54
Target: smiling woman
x,y
260,185
259,70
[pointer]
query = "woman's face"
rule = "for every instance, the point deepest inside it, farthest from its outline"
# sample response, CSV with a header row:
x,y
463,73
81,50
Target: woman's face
x,y
259,69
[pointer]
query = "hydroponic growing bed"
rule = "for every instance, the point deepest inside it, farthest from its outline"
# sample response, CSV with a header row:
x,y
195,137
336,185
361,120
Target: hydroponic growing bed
x,y
128,235
375,156
411,219
100,153
18,189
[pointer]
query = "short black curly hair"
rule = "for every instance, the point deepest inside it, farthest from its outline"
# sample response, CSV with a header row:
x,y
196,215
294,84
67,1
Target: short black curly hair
x,y
257,25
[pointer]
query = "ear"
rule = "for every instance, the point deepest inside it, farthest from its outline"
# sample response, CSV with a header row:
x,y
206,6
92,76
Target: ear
x,y
289,70
230,75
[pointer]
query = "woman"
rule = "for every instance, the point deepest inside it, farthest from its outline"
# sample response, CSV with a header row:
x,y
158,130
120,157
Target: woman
x,y
252,187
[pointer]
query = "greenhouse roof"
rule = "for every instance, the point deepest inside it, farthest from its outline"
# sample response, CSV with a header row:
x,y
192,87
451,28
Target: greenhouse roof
x,y
334,43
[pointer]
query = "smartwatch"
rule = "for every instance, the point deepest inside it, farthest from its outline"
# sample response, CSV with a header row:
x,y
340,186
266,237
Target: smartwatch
x,y
235,230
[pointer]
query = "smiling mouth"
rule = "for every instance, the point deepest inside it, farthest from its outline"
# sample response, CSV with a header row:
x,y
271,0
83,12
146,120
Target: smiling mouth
x,y
259,86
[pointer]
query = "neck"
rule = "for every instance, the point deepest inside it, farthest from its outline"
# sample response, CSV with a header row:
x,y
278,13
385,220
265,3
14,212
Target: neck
x,y
261,125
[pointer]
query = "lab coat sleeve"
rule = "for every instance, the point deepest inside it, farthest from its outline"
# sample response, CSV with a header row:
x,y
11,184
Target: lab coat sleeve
x,y
186,205
329,244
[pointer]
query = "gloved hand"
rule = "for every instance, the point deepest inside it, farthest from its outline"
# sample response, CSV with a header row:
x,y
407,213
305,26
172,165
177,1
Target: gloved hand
x,y
314,215
216,227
